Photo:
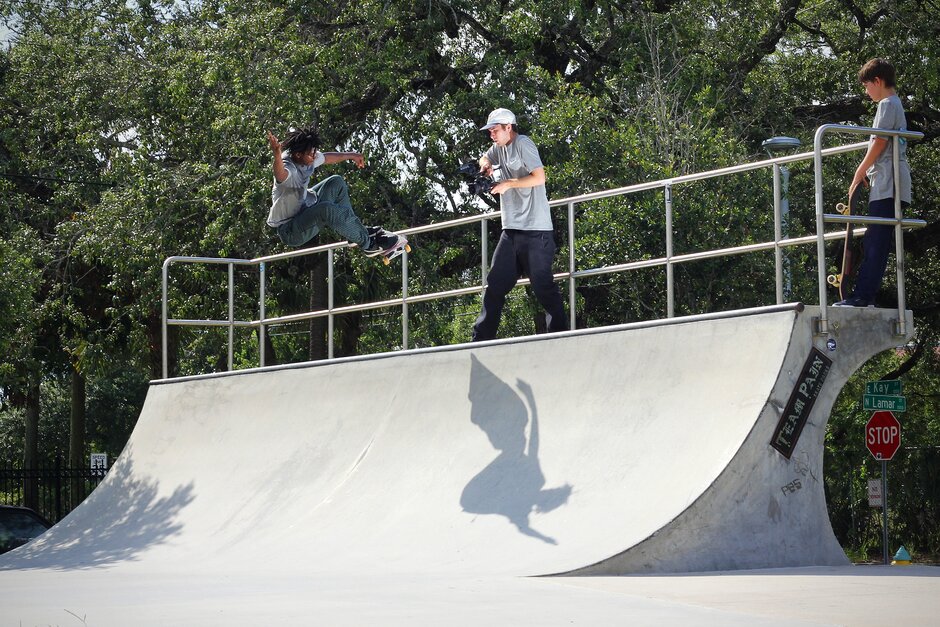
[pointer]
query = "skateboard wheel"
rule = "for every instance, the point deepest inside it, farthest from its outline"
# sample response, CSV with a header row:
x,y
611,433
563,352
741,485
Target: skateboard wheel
x,y
386,260
842,208
407,248
833,280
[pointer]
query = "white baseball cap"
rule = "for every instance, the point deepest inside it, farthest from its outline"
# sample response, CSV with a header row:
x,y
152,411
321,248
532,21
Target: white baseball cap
x,y
499,116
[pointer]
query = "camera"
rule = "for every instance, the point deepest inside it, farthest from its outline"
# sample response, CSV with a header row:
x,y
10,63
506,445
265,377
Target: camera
x,y
478,183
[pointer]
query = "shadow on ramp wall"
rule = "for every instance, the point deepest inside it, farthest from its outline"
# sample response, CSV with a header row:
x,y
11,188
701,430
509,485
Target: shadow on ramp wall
x,y
513,484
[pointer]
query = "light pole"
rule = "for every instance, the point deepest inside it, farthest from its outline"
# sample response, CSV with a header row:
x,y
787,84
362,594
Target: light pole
x,y
775,147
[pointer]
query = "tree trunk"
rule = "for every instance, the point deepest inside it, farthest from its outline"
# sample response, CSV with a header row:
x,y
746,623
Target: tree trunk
x,y
350,330
76,435
318,348
270,356
31,448
155,339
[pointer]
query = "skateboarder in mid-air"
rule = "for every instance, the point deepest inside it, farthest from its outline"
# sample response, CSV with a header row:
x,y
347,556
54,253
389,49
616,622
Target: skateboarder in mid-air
x,y
298,212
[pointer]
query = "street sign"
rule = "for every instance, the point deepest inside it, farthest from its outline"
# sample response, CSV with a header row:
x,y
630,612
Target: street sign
x,y
892,387
883,435
877,402
875,496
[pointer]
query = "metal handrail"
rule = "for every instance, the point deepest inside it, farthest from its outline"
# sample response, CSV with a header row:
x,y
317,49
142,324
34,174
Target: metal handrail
x,y
822,326
670,260
635,265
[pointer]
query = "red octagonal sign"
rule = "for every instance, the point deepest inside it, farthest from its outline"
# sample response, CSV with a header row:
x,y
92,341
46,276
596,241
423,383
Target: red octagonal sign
x,y
883,435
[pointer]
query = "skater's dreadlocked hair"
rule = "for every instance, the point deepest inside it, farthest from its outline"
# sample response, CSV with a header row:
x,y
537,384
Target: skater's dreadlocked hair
x,y
301,140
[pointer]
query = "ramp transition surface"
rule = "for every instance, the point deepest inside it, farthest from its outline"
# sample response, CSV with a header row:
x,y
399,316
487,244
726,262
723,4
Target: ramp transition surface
x,y
676,446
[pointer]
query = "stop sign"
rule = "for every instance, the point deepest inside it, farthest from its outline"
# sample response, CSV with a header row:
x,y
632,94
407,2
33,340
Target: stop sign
x,y
883,435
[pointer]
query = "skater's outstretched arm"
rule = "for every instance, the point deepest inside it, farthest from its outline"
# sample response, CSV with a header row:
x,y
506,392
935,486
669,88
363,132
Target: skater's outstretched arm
x,y
336,157
280,172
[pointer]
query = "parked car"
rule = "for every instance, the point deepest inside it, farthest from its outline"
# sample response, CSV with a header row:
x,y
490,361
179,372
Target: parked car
x,y
19,525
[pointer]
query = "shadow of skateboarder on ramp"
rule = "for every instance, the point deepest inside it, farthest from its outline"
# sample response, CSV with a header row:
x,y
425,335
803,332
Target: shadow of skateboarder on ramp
x,y
513,484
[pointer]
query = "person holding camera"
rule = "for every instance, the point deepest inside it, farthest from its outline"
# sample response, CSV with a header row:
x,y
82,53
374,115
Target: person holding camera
x,y
527,243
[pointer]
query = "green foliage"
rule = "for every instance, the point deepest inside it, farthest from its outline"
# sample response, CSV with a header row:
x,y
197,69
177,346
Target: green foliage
x,y
20,279
913,492
113,404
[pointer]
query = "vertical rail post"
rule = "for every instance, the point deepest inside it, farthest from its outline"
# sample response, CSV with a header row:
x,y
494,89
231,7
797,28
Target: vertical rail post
x,y
231,314
901,327
822,327
330,258
404,299
261,330
484,252
778,234
166,269
572,300
670,280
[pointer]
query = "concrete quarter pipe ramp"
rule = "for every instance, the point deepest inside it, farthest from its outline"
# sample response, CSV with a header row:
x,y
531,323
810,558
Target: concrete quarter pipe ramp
x,y
676,446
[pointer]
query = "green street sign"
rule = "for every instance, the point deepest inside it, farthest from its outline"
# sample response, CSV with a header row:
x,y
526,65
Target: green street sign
x,y
876,402
892,387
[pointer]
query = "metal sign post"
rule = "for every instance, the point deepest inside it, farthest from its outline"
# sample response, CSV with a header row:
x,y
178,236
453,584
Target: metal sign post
x,y
884,510
883,438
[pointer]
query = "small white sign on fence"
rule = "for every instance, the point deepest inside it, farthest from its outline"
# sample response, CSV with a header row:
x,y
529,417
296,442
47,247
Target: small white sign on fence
x,y
99,461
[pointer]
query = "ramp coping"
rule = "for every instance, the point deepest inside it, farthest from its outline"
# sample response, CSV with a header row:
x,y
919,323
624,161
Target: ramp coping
x,y
734,313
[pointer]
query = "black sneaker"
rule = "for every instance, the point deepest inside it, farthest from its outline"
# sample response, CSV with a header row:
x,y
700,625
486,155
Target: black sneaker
x,y
372,246
853,301
380,241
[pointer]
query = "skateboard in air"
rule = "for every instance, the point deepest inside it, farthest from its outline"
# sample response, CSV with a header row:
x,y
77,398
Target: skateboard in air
x,y
395,251
842,281
394,248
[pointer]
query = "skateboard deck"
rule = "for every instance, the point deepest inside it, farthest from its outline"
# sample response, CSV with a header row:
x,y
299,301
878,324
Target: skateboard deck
x,y
402,247
842,281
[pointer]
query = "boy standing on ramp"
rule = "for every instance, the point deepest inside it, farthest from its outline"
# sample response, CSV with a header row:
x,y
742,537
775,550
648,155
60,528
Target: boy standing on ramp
x,y
878,77
298,212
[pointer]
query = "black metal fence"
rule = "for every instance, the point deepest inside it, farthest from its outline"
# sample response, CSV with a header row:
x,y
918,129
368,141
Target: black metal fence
x,y
53,492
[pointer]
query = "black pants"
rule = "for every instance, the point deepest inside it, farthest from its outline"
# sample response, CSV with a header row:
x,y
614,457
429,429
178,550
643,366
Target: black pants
x,y
876,247
520,253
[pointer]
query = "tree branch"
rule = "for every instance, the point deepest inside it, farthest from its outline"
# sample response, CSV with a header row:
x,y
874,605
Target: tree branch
x,y
908,364
767,43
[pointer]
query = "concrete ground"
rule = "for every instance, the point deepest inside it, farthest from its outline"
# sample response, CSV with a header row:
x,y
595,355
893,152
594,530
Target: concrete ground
x,y
850,595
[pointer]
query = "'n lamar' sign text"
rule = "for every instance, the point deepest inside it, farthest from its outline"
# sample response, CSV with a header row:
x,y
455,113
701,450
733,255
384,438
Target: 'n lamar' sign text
x,y
801,402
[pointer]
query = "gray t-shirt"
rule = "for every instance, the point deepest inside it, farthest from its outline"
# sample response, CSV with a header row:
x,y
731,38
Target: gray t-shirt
x,y
523,208
890,116
289,196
